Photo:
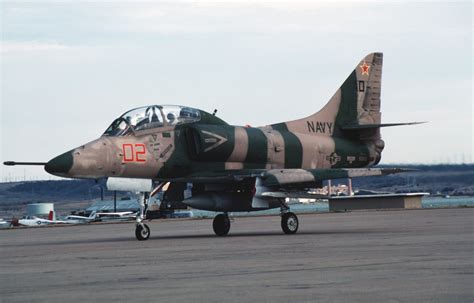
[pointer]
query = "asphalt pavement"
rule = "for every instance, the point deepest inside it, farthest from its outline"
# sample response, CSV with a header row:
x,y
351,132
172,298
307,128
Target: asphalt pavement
x,y
366,256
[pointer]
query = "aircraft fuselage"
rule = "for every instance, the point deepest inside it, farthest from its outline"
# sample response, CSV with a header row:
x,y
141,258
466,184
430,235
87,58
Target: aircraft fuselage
x,y
179,151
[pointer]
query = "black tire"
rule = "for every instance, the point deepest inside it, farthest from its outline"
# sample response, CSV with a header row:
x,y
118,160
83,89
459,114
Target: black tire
x,y
221,225
289,223
142,232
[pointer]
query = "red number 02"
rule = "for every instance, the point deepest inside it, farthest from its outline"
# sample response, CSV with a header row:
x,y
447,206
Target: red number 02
x,y
134,153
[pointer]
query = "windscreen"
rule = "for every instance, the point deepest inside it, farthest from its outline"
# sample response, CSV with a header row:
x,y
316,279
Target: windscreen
x,y
153,116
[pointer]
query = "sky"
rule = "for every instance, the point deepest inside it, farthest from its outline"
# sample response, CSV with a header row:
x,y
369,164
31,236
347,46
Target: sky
x,y
69,68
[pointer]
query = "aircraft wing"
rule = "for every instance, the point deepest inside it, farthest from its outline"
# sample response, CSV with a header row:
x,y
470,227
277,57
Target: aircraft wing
x,y
276,184
291,177
279,183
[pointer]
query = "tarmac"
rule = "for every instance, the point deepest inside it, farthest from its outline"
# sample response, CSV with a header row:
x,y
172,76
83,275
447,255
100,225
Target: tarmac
x,y
364,256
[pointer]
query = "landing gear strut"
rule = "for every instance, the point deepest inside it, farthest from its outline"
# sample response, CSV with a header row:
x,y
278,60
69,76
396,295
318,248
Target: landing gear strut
x,y
289,221
221,224
142,231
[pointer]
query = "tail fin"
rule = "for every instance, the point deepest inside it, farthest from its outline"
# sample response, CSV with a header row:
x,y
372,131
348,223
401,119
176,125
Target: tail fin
x,y
356,102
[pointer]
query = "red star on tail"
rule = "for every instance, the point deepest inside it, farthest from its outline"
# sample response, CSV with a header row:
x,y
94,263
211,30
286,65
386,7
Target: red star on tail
x,y
365,68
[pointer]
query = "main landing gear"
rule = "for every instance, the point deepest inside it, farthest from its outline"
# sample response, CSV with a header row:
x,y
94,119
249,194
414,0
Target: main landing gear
x,y
289,221
142,231
221,224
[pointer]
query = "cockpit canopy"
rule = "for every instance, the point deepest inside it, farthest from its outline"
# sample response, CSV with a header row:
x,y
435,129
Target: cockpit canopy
x,y
152,116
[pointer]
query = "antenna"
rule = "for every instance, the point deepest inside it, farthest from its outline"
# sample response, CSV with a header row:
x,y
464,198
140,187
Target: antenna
x,y
214,112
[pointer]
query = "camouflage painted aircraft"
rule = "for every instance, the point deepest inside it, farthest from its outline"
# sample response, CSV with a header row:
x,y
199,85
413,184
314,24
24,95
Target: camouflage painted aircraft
x,y
239,168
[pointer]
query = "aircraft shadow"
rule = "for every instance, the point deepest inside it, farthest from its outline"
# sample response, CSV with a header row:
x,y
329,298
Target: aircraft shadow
x,y
259,234
157,237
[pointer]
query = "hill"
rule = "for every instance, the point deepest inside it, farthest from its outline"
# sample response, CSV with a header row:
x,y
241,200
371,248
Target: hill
x,y
77,194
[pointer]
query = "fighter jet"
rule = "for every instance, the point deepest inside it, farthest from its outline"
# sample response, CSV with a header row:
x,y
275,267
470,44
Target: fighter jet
x,y
239,168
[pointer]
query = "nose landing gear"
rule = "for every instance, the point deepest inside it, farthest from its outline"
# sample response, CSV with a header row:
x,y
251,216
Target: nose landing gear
x,y
142,231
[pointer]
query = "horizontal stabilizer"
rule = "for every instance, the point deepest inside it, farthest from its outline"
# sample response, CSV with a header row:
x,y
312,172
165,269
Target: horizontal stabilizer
x,y
372,126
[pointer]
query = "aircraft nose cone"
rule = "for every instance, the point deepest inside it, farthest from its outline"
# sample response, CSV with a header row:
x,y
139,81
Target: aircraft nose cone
x,y
60,165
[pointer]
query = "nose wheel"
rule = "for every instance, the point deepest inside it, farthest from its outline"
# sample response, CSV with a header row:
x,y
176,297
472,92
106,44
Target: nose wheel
x,y
142,232
221,224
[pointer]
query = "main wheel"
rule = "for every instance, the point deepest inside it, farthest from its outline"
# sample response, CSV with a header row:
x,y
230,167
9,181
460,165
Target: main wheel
x,y
142,232
221,225
289,223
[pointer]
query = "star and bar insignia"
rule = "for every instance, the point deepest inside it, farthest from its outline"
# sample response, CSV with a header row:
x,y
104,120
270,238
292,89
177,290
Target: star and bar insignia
x,y
365,68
